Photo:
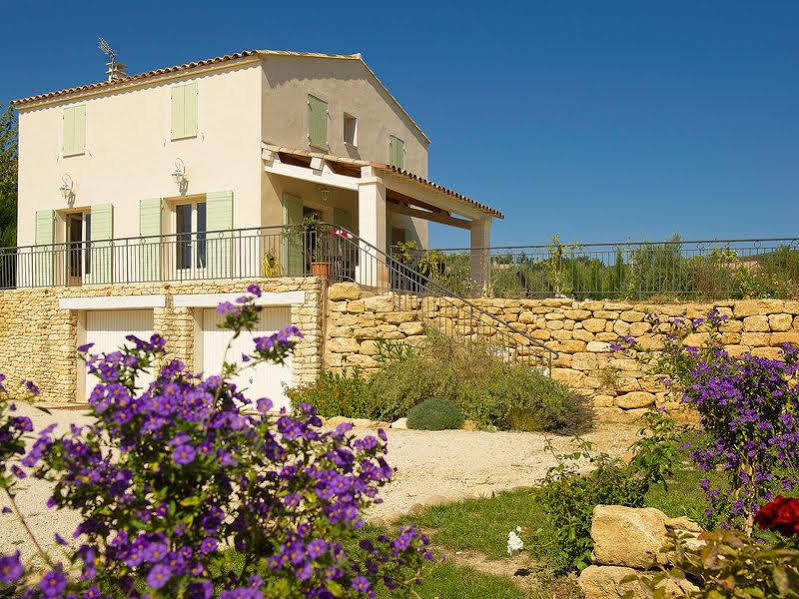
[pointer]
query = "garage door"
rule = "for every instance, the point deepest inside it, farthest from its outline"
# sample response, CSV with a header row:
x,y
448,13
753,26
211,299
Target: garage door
x,y
265,380
107,329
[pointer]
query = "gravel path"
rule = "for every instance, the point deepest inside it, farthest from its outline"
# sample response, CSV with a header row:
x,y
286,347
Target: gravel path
x,y
432,467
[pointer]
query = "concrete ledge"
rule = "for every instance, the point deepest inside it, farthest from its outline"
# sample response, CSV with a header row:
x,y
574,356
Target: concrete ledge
x,y
212,300
112,302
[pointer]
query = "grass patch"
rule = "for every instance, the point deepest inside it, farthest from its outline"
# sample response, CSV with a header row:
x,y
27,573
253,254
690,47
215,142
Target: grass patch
x,y
483,524
454,582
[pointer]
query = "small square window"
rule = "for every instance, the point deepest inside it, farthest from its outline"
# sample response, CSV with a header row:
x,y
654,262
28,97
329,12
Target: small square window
x,y
350,130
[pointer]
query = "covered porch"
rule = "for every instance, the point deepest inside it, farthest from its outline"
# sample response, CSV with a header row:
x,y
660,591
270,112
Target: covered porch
x,y
380,203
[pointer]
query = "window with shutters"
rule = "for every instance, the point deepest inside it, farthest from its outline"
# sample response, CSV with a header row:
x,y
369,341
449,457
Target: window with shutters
x,y
74,119
184,111
317,122
350,129
396,152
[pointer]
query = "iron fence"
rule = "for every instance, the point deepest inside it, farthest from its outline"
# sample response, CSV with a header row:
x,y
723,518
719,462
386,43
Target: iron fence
x,y
230,254
700,269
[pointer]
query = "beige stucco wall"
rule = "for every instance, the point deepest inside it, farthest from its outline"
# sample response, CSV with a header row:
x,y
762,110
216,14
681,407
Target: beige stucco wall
x,y
38,339
346,86
130,156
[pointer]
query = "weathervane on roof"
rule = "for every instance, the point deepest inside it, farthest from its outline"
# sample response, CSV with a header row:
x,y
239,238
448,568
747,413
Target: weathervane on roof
x,y
116,70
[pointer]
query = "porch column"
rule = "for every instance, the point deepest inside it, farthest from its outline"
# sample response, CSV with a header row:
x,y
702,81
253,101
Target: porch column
x,y
481,256
372,270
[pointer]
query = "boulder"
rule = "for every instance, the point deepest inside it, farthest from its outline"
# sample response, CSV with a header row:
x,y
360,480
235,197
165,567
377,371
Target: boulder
x,y
635,537
605,582
344,291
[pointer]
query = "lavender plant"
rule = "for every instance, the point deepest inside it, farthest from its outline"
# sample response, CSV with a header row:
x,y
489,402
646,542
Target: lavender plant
x,y
170,478
748,409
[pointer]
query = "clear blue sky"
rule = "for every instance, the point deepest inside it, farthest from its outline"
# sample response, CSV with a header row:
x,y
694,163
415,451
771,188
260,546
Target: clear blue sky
x,y
601,121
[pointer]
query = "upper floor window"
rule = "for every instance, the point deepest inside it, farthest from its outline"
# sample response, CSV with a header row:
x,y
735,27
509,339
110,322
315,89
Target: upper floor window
x,y
190,229
317,122
350,129
396,152
184,111
74,130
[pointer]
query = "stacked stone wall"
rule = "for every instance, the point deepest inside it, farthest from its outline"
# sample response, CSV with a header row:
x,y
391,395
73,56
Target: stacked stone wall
x,y
38,339
581,331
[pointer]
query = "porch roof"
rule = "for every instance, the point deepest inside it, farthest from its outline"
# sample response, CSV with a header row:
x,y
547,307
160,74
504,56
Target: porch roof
x,y
350,168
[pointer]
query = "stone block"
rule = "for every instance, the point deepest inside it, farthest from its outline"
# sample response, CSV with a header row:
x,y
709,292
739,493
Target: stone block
x,y
632,316
634,400
344,291
379,303
412,328
786,337
780,322
755,324
577,314
594,325
342,345
554,325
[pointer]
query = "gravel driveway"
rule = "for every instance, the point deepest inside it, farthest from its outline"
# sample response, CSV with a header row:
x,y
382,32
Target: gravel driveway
x,y
432,467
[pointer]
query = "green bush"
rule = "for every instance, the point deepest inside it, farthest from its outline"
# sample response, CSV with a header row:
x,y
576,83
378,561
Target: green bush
x,y
335,394
435,415
571,496
488,390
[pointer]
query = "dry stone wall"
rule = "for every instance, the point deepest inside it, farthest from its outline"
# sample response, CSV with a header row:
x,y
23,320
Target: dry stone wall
x,y
38,339
581,331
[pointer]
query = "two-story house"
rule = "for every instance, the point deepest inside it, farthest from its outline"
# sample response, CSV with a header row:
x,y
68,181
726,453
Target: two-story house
x,y
192,172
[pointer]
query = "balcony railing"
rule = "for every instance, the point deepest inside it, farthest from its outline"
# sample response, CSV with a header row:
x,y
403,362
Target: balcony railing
x,y
231,254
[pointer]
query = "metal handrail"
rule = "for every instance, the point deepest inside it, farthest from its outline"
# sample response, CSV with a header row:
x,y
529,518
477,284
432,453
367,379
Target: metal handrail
x,y
401,269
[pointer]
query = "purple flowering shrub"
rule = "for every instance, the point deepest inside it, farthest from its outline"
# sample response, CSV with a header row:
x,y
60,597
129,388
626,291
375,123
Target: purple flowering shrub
x,y
748,410
170,477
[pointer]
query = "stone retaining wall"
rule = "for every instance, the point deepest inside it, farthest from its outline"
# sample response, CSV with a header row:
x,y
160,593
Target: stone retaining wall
x,y
581,331
38,339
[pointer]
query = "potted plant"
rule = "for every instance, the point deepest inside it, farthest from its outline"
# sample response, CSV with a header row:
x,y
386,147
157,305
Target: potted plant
x,y
320,265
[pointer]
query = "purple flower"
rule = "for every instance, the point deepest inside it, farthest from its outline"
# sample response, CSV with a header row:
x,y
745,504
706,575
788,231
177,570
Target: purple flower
x,y
183,454
158,576
361,584
17,471
10,567
264,404
155,552
53,583
86,347
254,289
208,545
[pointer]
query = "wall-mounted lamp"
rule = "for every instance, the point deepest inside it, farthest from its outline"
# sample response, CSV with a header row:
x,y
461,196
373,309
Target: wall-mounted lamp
x,y
179,175
66,189
324,194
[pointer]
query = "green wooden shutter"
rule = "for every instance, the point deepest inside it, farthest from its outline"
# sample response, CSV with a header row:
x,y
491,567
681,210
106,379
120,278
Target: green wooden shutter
x,y
74,118
219,221
317,122
396,152
150,247
43,258
101,248
292,262
178,111
190,110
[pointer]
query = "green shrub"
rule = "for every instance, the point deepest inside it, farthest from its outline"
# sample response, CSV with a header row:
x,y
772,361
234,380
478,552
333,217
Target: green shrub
x,y
335,394
435,415
571,496
487,389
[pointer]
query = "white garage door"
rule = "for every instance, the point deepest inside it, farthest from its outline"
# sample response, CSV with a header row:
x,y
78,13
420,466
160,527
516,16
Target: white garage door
x,y
265,380
107,329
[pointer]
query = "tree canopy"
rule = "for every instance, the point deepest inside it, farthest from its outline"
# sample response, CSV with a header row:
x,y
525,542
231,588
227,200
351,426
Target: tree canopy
x,y
8,177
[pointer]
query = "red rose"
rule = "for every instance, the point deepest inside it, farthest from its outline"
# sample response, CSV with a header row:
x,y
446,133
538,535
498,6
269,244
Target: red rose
x,y
781,514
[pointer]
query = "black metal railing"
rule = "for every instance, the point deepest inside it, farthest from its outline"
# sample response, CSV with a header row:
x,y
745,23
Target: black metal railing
x,y
235,253
699,270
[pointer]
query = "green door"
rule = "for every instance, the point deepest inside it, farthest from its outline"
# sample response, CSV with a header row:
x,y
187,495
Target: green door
x,y
102,250
292,261
43,258
150,243
219,211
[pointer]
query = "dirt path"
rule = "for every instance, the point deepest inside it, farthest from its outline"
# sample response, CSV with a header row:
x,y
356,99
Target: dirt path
x,y
432,467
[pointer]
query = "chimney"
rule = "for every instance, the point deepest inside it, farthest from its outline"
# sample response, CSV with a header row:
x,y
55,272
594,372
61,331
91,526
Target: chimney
x,y
116,71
